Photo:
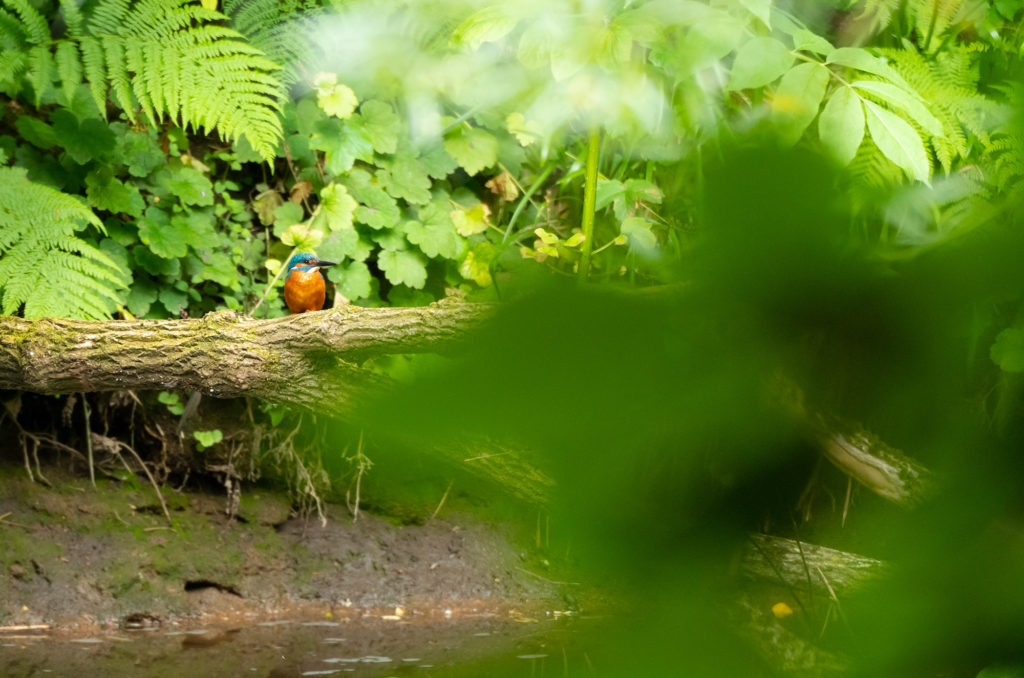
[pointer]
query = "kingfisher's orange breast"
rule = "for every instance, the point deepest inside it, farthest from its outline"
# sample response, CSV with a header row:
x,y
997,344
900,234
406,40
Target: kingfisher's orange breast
x,y
304,291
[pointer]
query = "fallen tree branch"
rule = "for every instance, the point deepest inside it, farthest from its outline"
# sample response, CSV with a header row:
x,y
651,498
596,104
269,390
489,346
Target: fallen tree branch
x,y
777,558
305,360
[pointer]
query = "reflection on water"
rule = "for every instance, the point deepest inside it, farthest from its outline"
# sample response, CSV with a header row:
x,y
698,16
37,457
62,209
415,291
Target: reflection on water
x,y
288,649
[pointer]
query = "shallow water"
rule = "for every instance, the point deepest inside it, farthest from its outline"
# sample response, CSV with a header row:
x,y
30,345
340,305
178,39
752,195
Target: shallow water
x,y
292,648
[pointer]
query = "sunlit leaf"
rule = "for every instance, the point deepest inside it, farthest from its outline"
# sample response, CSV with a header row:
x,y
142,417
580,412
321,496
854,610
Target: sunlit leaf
x,y
841,125
759,62
474,149
403,267
798,98
903,99
898,141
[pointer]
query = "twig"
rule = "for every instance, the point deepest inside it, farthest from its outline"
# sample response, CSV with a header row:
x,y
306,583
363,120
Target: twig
x,y
550,581
88,440
3,520
441,503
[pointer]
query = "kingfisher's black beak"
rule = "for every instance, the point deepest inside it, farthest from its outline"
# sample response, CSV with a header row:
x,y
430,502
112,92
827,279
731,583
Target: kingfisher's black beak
x,y
322,264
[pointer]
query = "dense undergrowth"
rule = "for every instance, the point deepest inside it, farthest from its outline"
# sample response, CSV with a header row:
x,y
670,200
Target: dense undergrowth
x,y
833,190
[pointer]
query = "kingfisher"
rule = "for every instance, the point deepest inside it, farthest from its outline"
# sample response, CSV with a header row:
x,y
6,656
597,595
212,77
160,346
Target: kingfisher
x,y
304,287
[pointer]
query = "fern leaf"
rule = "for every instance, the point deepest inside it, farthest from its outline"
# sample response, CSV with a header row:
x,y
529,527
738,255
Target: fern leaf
x,y
108,17
95,72
45,267
37,31
69,67
72,17
12,64
12,35
40,70
117,72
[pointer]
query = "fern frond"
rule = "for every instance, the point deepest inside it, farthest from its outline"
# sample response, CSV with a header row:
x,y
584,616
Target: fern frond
x,y
69,67
72,17
37,31
45,268
154,55
278,29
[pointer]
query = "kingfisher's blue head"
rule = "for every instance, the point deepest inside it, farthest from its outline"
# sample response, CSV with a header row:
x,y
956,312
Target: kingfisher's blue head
x,y
305,261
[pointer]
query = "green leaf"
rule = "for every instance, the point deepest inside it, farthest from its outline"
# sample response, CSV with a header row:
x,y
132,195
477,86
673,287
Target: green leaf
x,y
342,143
137,150
403,267
355,280
489,24
208,438
862,60
641,239
106,192
1008,351
434,233
190,186
344,244
474,149
156,232
607,191
759,62
405,178
762,9
36,132
382,125
334,98
477,264
841,125
337,207
906,100
377,209
173,300
798,98
154,264
84,140
438,163
142,296
218,267
898,141
197,228
808,41
285,215
470,220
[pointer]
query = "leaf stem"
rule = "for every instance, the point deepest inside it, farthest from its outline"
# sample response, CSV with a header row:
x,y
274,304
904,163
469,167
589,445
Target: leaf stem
x,y
589,201
526,199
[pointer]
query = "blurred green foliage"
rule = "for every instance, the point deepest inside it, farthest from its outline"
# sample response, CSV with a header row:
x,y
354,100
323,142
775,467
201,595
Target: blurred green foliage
x,y
826,191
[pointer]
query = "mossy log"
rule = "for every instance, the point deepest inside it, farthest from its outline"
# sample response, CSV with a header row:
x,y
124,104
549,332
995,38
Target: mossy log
x,y
304,360
799,565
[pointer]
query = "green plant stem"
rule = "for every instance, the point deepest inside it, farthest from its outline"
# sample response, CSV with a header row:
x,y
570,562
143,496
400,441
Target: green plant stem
x,y
270,285
524,201
589,200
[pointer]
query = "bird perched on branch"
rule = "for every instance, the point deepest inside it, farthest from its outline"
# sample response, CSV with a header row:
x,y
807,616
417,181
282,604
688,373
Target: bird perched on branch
x,y
304,287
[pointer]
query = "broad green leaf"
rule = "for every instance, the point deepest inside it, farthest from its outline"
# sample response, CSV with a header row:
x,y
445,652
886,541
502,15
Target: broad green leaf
x,y
344,244
762,9
106,192
477,264
303,237
137,150
1008,351
337,207
190,186
489,24
218,267
798,98
908,101
175,301
334,98
607,191
470,220
898,141
474,149
377,209
143,293
36,132
404,177
841,125
862,60
342,143
354,280
526,132
391,238
403,267
265,205
154,264
83,141
208,438
438,163
808,41
382,125
758,63
163,239
286,214
435,233
197,229
641,239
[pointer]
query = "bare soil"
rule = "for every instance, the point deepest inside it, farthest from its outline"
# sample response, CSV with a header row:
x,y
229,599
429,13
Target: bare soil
x,y
79,560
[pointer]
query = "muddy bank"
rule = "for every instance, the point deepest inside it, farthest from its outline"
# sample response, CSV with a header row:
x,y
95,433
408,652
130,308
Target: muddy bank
x,y
81,559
